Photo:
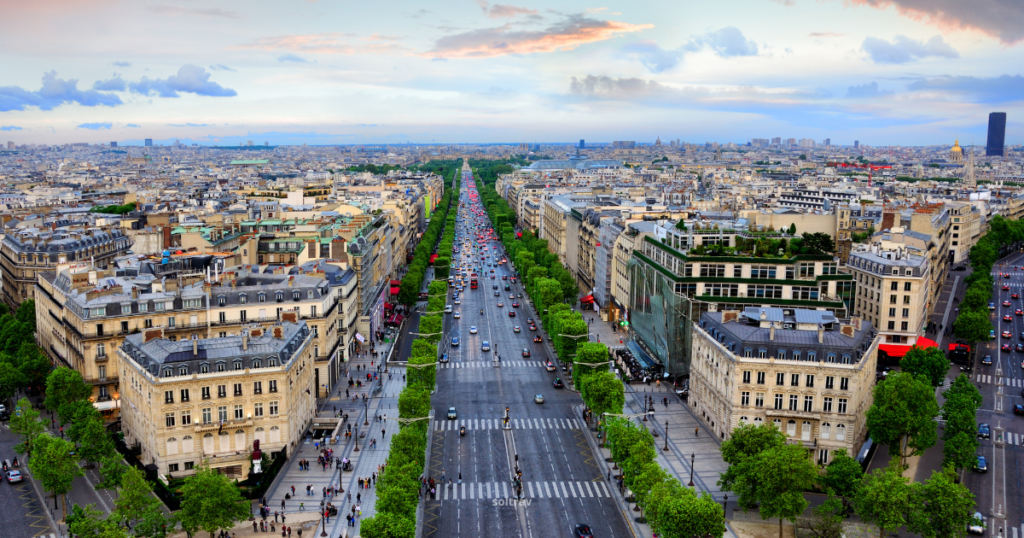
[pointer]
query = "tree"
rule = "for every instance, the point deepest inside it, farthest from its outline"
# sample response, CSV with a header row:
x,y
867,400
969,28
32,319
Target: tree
x,y
746,443
929,362
87,522
818,243
842,476
27,425
210,502
776,481
945,507
972,326
136,504
827,521
387,525
903,415
884,498
603,393
11,379
414,402
112,470
35,367
650,476
590,353
959,412
677,512
64,386
54,465
792,229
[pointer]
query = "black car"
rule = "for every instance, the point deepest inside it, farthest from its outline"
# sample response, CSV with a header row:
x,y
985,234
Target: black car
x,y
1019,348
526,352
986,360
582,531
1018,409
511,313
558,384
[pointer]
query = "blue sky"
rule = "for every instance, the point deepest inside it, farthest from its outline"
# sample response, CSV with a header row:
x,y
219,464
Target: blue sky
x,y
891,72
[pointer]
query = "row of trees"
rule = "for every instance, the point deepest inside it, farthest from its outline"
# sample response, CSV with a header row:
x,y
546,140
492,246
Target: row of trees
x,y
771,475
114,209
22,364
409,289
972,324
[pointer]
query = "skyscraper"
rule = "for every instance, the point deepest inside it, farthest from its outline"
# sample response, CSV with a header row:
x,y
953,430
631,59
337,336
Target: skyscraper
x,y
113,144
583,143
149,142
996,133
856,144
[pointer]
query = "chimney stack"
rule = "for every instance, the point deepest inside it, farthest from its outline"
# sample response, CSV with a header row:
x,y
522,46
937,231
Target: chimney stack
x,y
245,340
135,293
821,334
195,346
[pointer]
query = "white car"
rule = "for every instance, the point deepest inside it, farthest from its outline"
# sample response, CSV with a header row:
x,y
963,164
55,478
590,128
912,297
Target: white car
x,y
448,309
458,301
457,314
472,330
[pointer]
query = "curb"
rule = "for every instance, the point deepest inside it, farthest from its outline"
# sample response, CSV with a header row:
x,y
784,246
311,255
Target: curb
x,y
426,468
591,442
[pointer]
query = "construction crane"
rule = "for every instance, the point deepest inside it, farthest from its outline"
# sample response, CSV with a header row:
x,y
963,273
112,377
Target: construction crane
x,y
870,167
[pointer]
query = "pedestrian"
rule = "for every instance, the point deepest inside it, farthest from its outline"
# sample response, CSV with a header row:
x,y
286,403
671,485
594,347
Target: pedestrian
x,y
275,511
254,525
382,434
282,505
696,432
302,507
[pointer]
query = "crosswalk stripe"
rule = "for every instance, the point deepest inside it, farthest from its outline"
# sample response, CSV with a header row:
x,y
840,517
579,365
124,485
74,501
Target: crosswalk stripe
x,y
572,490
529,486
587,484
504,489
547,490
605,488
564,494
517,423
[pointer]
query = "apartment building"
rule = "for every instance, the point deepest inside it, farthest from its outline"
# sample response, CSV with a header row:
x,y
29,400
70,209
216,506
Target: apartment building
x,y
555,214
933,220
192,402
893,282
26,252
807,372
966,230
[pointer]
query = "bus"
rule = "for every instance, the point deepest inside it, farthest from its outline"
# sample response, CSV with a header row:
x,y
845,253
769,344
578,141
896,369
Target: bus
x,y
472,281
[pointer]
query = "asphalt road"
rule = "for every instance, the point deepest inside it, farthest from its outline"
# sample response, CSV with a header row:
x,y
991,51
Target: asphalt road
x,y
562,483
22,513
998,491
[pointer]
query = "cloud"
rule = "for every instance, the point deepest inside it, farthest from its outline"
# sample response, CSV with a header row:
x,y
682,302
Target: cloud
x,y
95,126
190,79
865,91
53,93
220,67
574,31
211,12
903,49
121,64
503,11
132,125
653,56
188,124
727,42
421,13
787,3
9,128
292,58
824,34
326,43
1003,89
115,84
1003,19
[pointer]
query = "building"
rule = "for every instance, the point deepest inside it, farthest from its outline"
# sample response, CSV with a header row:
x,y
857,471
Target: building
x,y
893,282
805,371
28,251
192,402
149,142
996,134
956,153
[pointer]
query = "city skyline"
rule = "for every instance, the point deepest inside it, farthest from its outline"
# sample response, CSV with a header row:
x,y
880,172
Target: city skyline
x,y
473,71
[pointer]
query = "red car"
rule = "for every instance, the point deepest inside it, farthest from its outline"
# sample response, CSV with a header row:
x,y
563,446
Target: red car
x,y
1006,303
1019,312
1006,287
511,313
1015,296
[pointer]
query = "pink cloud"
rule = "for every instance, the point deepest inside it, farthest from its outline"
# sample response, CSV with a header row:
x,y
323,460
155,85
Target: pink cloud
x,y
1003,19
504,11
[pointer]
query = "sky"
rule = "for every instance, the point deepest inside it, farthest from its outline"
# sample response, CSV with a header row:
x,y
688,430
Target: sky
x,y
884,72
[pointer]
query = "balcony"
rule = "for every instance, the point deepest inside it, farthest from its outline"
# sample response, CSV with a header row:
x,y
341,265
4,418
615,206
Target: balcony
x,y
214,426
783,413
102,358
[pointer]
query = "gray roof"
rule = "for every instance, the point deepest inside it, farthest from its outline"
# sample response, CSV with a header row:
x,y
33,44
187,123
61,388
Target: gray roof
x,y
747,333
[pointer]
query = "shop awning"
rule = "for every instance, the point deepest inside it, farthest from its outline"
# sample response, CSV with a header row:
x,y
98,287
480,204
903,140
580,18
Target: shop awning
x,y
899,350
107,405
587,299
394,290
396,282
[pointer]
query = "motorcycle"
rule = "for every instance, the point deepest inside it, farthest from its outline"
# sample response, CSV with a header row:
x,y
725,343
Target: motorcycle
x,y
481,311
462,431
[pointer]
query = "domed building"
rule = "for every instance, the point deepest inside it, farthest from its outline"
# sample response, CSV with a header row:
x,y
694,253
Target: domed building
x,y
956,153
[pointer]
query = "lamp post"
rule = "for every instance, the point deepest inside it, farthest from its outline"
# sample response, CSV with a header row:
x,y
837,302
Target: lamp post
x,y
666,437
692,457
725,505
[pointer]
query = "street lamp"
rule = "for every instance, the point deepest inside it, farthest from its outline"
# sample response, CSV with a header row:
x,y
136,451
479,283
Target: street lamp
x,y
725,505
692,457
666,437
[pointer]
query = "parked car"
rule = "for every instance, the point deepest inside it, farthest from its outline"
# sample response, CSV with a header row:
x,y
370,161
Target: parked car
x,y
984,431
981,465
14,476
987,360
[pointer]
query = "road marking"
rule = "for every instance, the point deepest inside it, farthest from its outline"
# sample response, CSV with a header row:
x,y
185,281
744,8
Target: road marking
x,y
548,490
572,490
605,488
564,494
529,487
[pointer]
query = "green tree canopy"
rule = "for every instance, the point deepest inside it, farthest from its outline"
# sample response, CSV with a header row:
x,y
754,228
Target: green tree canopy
x,y
53,464
884,498
945,507
928,362
903,415
210,501
65,386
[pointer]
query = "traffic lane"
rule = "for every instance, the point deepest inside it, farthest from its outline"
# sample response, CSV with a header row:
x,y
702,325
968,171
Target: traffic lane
x,y
22,512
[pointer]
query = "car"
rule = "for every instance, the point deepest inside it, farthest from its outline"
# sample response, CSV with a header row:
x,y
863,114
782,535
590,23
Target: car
x,y
1007,334
504,277
1006,287
1015,296
1018,409
558,384
519,295
507,288
455,341
991,332
494,287
977,524
1019,348
526,352
497,293
511,313
987,360
1018,312
492,277
582,531
1007,317
511,296
1006,347
549,366
1006,303
515,304
457,314
529,321
472,330
448,309
452,415
485,346
458,301
14,476
538,399
500,304
991,306
981,465
984,431
444,358
533,327
513,279
515,329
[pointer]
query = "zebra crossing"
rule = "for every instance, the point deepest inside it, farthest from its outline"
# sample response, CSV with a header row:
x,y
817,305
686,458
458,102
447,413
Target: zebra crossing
x,y
490,364
999,380
468,491
517,424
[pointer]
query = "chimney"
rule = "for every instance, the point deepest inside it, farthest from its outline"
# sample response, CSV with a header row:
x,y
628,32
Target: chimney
x,y
771,333
195,346
245,341
278,332
135,293
152,335
821,334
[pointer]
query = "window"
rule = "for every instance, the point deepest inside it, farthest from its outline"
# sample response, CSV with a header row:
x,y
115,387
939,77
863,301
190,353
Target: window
x,y
791,428
810,381
760,378
257,387
206,393
143,307
906,312
892,299
272,385
903,325
222,391
238,365
168,396
906,299
273,408
794,402
778,401
830,382
894,286
764,291
169,420
746,377
844,383
892,312
271,363
101,349
256,363
748,352
262,298
239,412
840,432
189,465
906,286
207,415
892,325
762,271
126,309
222,413
242,315
842,406
782,354
257,410
158,306
184,395
826,405
737,271
796,354
808,404
102,371
794,380
238,389
825,430
805,293
220,367
745,399
186,418
242,299
759,399
712,270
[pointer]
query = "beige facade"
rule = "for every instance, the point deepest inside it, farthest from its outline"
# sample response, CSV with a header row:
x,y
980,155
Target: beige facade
x,y
818,404
967,223
190,403
892,288
934,220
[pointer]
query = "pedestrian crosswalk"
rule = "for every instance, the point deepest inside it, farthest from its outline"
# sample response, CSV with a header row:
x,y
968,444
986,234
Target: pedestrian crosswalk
x,y
999,380
468,491
517,424
489,364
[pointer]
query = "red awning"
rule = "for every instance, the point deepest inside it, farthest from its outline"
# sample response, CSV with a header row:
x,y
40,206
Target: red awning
x,y
399,318
587,299
899,350
396,282
394,290
388,306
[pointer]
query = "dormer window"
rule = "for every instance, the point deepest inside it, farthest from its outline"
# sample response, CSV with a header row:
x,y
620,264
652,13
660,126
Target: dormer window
x,y
221,300
167,372
279,296
183,370
204,368
256,363
271,363
221,366
296,296
238,365
309,294
262,297
242,299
